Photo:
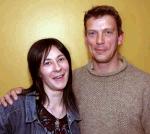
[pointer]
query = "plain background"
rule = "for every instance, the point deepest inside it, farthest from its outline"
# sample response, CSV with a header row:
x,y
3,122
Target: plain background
x,y
22,22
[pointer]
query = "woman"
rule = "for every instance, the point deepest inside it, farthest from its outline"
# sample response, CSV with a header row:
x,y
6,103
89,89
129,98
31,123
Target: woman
x,y
49,105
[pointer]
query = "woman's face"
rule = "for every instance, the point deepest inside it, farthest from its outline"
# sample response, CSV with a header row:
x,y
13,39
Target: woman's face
x,y
54,70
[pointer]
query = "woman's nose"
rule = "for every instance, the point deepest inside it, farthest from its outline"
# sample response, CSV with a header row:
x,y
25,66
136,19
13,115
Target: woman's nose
x,y
57,66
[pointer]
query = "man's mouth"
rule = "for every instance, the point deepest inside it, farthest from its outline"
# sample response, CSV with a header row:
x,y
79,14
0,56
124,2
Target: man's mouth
x,y
100,50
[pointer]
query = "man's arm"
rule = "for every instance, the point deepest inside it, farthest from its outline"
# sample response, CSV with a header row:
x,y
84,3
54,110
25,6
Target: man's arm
x,y
10,97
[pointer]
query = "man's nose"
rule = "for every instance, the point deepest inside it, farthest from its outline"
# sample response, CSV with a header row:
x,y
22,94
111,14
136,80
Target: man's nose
x,y
100,39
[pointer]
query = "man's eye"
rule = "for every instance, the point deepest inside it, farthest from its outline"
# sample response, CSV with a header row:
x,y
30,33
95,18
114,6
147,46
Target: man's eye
x,y
91,33
108,32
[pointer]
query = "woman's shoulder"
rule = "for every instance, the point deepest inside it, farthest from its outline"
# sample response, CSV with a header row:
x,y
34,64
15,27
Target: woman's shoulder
x,y
18,105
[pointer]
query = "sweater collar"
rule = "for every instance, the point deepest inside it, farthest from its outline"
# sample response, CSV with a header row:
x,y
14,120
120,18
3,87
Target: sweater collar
x,y
123,67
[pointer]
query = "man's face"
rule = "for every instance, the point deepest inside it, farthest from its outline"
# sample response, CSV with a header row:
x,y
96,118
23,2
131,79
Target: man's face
x,y
102,38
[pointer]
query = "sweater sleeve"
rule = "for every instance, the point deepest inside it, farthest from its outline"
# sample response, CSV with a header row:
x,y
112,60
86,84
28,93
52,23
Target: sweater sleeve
x,y
146,108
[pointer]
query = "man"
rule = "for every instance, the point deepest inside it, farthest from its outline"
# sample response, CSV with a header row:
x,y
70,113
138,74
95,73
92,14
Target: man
x,y
113,96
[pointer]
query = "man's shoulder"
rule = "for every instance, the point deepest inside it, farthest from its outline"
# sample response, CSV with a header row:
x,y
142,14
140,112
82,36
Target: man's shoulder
x,y
80,70
138,73
137,70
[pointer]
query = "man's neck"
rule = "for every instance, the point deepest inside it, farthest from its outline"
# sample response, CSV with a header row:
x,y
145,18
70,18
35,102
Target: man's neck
x,y
108,67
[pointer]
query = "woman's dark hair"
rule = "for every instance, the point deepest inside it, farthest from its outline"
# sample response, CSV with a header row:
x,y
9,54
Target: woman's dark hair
x,y
39,50
102,10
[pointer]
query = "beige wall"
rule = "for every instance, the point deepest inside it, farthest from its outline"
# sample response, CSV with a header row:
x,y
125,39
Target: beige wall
x,y
24,21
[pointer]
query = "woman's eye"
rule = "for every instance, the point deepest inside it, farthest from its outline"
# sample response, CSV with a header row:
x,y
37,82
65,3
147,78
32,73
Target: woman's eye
x,y
61,59
47,63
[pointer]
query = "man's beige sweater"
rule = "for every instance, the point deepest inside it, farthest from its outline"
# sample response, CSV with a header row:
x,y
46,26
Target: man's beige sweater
x,y
114,103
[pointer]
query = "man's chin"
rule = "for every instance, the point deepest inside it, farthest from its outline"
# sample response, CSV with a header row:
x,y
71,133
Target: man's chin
x,y
102,60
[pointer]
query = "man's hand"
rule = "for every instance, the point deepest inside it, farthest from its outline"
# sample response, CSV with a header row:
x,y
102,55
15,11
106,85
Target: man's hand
x,y
10,97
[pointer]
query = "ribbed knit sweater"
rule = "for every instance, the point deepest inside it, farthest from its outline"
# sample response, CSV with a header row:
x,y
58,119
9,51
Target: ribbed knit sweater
x,y
114,103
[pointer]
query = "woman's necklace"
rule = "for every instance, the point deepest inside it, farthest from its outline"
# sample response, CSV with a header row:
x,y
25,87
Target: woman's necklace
x,y
52,123
57,116
57,126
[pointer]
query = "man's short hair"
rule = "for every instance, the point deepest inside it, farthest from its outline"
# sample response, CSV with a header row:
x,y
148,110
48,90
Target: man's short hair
x,y
102,10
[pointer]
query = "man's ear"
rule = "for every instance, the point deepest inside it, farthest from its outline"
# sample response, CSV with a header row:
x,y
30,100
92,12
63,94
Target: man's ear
x,y
87,46
85,40
121,39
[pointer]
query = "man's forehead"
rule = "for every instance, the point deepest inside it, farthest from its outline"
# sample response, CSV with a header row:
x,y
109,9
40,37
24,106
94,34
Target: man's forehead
x,y
101,22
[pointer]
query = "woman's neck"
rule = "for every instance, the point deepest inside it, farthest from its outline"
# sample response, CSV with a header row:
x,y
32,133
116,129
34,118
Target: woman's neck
x,y
54,103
